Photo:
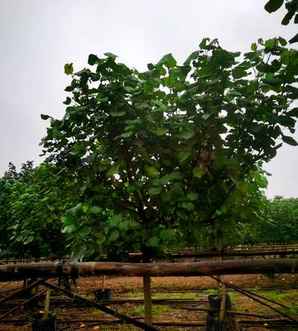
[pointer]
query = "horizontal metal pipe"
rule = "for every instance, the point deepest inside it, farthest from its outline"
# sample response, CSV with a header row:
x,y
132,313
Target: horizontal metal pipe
x,y
161,269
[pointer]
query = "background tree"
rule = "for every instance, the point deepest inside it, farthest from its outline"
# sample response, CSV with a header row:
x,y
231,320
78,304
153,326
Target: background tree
x,y
32,203
280,223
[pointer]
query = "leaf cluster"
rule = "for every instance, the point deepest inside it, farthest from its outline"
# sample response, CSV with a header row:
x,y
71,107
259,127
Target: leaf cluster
x,y
291,7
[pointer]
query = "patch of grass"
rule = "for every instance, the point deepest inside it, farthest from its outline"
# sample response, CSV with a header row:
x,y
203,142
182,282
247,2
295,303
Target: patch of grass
x,y
274,295
134,294
211,291
292,311
157,310
190,296
233,295
286,297
164,295
97,313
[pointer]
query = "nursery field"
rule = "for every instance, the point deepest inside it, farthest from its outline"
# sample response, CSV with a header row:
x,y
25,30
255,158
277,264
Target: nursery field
x,y
153,163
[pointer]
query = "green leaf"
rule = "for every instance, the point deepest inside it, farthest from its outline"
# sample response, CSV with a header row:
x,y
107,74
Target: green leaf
x,y
289,140
192,196
151,171
67,101
110,55
186,134
113,236
131,188
127,134
68,89
205,43
270,43
69,228
168,60
68,68
153,242
160,131
191,57
288,16
183,156
198,172
273,5
286,121
294,39
92,59
95,210
175,176
154,190
118,113
115,220
188,206
271,80
261,180
167,234
253,47
78,149
113,170
85,208
239,73
293,112
282,41
44,117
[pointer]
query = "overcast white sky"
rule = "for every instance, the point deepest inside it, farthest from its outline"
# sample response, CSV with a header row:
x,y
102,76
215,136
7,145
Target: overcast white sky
x,y
37,37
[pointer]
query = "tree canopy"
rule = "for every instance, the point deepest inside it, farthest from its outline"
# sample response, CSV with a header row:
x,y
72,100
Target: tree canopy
x,y
162,154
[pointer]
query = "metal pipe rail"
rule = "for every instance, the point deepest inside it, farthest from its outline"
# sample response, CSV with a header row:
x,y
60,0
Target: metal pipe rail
x,y
20,271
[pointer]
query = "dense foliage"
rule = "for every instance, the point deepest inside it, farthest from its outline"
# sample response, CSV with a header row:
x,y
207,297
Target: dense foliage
x,y
31,225
32,204
280,224
174,150
157,159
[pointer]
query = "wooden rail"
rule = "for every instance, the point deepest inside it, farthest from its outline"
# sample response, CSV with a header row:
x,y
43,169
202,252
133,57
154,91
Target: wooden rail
x,y
204,268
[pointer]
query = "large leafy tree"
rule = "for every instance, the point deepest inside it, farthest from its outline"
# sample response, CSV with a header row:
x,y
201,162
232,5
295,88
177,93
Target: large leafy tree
x,y
166,152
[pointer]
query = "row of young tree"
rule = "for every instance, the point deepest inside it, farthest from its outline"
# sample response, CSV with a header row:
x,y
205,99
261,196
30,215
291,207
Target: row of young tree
x,y
164,158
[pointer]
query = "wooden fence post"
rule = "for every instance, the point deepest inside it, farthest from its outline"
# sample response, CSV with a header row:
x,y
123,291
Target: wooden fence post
x,y
218,319
147,299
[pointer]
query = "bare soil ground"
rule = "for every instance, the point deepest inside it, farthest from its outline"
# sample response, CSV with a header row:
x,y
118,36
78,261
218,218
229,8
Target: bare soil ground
x,y
280,288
